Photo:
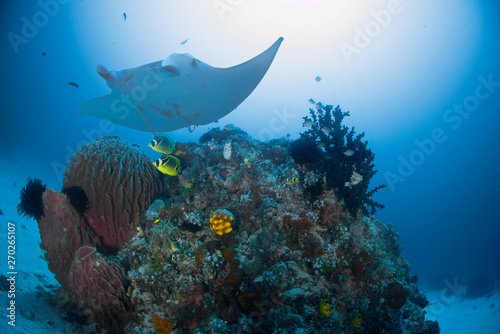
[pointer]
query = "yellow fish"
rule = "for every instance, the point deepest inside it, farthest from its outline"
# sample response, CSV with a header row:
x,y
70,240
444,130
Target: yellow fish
x,y
324,307
184,183
292,180
357,321
163,144
168,164
247,162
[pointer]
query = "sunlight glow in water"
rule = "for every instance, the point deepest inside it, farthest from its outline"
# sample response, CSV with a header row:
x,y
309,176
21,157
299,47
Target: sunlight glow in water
x,y
417,51
299,3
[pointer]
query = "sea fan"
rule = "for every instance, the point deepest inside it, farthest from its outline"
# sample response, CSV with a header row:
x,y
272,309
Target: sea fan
x,y
31,205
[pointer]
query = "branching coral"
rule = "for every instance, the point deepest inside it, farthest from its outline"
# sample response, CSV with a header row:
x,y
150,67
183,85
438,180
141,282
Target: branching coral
x,y
333,148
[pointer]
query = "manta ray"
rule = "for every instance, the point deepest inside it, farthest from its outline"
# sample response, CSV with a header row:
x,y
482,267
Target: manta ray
x,y
176,92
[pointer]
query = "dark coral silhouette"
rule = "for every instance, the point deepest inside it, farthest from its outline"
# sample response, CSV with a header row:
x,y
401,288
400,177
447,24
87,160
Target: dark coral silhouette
x,y
31,205
330,147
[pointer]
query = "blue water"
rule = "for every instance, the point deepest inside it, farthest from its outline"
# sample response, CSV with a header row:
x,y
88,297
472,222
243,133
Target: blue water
x,y
400,83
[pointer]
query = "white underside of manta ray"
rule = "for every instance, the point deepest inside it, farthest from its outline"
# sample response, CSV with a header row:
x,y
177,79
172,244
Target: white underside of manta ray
x,y
177,92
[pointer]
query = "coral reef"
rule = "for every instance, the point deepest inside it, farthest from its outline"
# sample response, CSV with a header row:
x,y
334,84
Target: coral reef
x,y
293,250
345,159
108,186
120,183
295,259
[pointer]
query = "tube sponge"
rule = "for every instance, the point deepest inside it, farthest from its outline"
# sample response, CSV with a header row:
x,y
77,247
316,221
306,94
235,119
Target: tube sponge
x,y
120,182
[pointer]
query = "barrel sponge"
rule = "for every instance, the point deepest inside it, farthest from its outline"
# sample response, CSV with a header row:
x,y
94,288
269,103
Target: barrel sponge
x,y
96,285
120,182
63,232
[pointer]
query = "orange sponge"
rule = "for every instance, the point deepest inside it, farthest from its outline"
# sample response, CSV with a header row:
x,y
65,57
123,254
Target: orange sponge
x,y
221,222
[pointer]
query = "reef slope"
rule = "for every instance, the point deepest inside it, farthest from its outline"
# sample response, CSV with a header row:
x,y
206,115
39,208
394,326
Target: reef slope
x,y
294,260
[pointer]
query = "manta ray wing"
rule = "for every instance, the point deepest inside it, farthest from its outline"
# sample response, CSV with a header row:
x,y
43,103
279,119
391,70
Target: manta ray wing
x,y
177,92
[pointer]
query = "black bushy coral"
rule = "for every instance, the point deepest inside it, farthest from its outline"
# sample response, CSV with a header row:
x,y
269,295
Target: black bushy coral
x,y
305,151
31,205
344,157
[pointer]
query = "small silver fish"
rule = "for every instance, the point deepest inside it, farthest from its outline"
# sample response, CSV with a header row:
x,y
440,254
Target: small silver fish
x,y
184,41
348,153
326,129
308,123
124,17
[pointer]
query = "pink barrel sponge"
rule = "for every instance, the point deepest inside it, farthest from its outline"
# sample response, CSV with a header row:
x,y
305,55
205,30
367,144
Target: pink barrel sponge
x,y
96,285
63,232
120,182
